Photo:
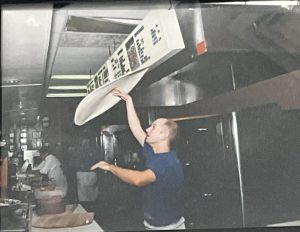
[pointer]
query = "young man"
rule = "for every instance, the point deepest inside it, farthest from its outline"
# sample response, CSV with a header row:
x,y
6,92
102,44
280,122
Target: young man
x,y
163,178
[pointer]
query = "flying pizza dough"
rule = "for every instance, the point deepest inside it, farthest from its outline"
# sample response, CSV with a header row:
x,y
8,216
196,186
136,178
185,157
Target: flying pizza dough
x,y
101,99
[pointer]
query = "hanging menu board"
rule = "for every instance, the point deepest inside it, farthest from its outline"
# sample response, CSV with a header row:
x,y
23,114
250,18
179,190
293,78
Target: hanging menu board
x,y
154,40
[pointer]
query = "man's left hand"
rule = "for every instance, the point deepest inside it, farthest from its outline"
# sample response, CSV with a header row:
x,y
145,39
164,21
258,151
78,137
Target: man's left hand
x,y
102,165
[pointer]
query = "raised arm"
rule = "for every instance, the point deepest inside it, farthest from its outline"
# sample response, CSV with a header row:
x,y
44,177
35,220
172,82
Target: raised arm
x,y
133,177
133,120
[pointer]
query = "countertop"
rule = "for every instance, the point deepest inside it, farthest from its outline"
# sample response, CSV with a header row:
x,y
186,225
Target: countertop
x,y
93,227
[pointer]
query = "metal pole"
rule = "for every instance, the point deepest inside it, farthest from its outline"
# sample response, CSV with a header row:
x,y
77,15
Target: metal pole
x,y
237,149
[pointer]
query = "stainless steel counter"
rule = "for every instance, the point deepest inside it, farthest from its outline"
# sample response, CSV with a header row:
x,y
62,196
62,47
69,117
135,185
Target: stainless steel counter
x,y
93,227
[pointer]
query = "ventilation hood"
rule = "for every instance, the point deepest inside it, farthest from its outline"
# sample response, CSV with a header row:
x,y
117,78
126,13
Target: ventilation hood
x,y
253,43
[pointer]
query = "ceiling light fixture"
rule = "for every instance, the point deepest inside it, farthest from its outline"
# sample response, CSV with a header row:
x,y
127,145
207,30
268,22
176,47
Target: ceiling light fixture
x,y
72,77
22,85
66,95
124,21
274,3
60,87
261,3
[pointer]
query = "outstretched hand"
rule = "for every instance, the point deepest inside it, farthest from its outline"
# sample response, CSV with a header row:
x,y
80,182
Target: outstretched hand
x,y
102,165
119,93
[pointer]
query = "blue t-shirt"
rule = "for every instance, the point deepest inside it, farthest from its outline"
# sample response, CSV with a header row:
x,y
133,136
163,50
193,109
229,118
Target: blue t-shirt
x,y
162,198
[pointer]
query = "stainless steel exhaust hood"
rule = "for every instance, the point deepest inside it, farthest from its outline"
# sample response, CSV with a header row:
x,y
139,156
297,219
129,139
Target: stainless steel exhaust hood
x,y
261,42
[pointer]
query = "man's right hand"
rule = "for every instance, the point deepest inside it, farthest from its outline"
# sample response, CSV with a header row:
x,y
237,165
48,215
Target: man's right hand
x,y
133,120
102,165
119,93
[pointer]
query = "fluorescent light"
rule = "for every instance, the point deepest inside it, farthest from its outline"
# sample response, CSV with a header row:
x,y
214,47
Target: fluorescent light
x,y
202,129
228,3
60,87
266,3
125,21
273,3
66,95
21,85
72,77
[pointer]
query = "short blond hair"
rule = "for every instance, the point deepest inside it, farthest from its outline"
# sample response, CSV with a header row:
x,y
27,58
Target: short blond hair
x,y
173,127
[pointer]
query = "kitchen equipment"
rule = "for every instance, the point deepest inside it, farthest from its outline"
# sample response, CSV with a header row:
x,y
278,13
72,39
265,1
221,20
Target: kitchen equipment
x,y
50,205
49,201
8,202
15,216
8,206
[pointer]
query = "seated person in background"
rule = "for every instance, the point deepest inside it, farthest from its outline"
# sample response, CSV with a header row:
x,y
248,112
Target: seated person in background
x,y
51,167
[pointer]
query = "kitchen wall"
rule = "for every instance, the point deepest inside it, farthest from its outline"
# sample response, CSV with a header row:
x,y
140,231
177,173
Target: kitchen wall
x,y
211,175
269,145
269,154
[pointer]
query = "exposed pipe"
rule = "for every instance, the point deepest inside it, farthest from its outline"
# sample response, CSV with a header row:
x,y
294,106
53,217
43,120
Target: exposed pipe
x,y
237,149
109,51
59,21
223,141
